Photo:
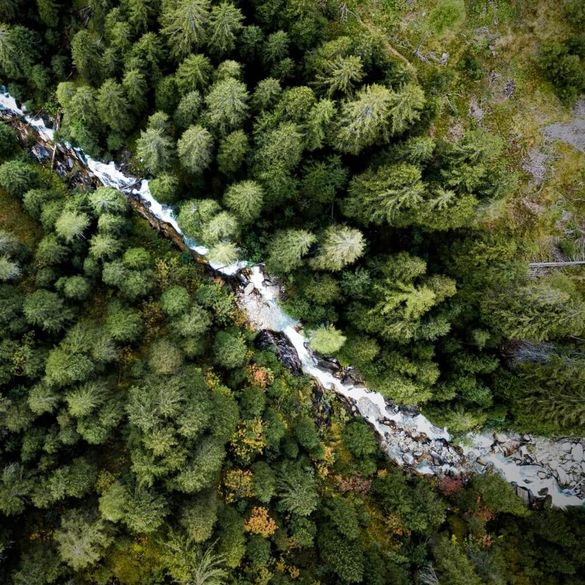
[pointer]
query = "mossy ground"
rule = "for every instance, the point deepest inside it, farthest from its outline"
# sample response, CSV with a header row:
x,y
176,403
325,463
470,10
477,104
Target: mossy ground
x,y
492,68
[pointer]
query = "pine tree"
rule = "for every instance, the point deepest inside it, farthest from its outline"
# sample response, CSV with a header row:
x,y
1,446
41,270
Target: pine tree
x,y
155,149
245,200
113,106
341,75
287,250
224,253
535,311
195,149
223,226
15,487
319,124
327,340
82,541
297,490
185,25
140,13
225,22
229,349
392,193
136,89
195,214
18,51
71,225
9,269
46,310
340,246
86,52
266,94
232,152
194,74
376,114
18,177
108,200
188,110
227,106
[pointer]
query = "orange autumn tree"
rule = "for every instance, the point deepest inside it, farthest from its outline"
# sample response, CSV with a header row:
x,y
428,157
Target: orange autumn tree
x,y
260,522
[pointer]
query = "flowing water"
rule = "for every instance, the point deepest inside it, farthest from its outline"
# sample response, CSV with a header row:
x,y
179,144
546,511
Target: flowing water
x,y
537,466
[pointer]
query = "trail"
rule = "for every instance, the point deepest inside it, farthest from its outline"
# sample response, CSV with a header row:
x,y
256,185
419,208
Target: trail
x,y
541,469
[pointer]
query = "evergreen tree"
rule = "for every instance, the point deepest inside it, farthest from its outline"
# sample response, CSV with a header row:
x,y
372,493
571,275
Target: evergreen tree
x,y
195,149
340,246
113,106
86,52
224,253
185,25
297,490
341,75
327,340
287,250
188,110
71,225
18,51
155,149
225,22
232,152
82,541
108,200
393,193
535,311
46,310
376,114
136,89
193,74
227,105
245,200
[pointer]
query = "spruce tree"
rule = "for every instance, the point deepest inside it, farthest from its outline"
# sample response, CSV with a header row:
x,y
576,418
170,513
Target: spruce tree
x,y
195,149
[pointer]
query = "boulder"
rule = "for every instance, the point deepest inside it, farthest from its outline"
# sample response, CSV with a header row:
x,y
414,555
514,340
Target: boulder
x,y
408,459
577,452
284,350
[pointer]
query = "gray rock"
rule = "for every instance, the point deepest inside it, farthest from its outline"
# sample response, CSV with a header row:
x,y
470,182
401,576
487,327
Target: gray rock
x,y
500,437
563,476
249,288
577,452
408,459
524,494
566,446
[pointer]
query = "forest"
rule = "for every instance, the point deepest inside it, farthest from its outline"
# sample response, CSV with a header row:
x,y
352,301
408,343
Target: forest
x,y
146,436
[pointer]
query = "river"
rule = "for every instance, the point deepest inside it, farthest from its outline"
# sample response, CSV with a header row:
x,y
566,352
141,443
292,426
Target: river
x,y
540,468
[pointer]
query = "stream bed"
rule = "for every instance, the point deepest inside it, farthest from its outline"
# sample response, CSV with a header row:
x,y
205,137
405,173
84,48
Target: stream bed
x,y
541,469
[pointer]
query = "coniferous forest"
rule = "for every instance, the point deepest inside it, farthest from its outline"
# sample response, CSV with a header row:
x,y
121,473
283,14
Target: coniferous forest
x,y
391,164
